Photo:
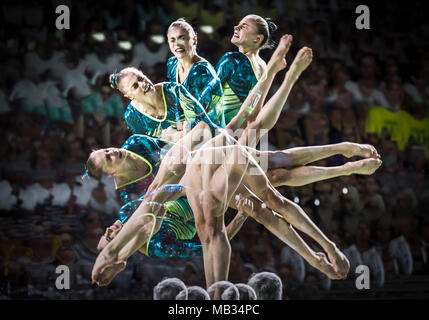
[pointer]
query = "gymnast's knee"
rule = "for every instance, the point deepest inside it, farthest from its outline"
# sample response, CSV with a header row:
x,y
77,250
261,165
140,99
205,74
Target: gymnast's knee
x,y
278,176
255,125
273,199
210,233
144,222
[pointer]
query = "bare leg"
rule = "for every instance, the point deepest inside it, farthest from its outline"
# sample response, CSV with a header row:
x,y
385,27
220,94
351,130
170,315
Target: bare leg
x,y
141,225
286,233
294,215
209,221
260,90
309,174
267,118
210,187
300,156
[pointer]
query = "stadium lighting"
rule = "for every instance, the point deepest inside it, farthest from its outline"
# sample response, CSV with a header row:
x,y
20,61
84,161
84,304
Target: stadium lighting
x,y
158,38
296,199
345,190
98,36
125,45
316,202
207,29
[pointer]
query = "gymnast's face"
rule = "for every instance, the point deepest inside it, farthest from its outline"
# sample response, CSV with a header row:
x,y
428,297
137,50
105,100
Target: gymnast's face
x,y
246,33
135,85
182,42
109,159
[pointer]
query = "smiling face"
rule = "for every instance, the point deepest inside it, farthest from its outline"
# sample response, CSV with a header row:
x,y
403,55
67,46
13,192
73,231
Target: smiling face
x,y
109,159
134,84
182,42
246,33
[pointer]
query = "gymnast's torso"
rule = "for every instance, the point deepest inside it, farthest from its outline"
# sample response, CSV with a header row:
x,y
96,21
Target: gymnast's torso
x,y
174,239
203,84
139,122
238,77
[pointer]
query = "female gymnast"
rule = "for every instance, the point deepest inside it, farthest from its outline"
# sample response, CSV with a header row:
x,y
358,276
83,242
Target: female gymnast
x,y
157,108
142,173
130,166
192,71
209,187
239,71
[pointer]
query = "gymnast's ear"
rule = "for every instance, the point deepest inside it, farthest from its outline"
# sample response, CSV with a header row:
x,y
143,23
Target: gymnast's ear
x,y
259,38
195,39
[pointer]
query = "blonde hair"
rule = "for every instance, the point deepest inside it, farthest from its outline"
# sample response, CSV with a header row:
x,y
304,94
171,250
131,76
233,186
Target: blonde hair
x,y
93,171
115,78
182,23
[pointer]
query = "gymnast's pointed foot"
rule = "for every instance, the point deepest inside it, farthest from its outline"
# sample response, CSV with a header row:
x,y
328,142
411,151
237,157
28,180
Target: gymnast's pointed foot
x,y
106,267
324,266
302,61
365,166
278,59
360,150
339,261
109,273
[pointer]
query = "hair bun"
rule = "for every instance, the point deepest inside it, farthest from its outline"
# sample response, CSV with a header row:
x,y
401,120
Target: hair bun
x,y
271,25
112,80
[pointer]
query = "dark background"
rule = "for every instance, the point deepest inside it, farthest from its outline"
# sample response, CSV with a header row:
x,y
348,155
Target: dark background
x,y
56,106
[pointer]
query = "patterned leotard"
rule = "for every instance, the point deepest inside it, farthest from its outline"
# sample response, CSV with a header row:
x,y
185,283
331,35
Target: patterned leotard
x,y
174,239
141,123
179,104
238,77
204,85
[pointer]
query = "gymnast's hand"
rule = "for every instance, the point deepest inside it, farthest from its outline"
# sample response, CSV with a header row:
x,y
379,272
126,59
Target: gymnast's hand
x,y
109,235
172,134
244,205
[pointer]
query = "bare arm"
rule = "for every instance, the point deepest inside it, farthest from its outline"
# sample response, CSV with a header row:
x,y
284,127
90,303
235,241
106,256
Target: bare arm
x,y
235,225
254,101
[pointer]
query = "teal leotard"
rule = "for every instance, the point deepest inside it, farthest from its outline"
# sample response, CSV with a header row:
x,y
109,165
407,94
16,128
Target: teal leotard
x,y
179,104
238,77
178,228
204,85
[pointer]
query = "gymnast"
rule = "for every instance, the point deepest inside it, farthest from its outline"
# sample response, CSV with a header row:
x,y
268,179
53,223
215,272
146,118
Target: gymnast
x,y
209,214
130,166
239,71
148,148
140,156
192,71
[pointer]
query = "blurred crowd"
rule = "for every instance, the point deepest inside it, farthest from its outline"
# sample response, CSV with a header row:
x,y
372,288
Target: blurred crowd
x,y
56,106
